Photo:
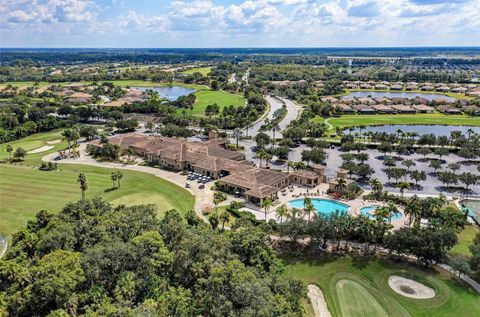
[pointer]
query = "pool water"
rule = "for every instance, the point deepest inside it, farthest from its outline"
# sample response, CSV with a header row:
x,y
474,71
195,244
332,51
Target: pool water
x,y
369,211
324,206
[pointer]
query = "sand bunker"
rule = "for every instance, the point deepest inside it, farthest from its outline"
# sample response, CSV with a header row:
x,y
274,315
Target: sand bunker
x,y
41,149
410,288
318,301
54,142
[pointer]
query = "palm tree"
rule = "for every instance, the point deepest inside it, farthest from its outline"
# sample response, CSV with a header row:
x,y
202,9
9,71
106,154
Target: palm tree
x,y
67,135
248,126
10,150
413,209
266,204
402,186
290,164
267,158
237,134
308,206
82,179
274,129
224,217
341,184
114,178
389,211
261,156
119,177
294,212
282,211
376,185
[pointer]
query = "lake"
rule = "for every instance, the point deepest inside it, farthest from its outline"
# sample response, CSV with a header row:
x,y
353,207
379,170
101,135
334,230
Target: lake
x,y
437,130
169,92
391,94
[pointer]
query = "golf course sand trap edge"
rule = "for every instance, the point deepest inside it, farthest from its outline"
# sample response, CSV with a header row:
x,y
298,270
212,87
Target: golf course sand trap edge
x,y
318,301
410,288
40,149
54,142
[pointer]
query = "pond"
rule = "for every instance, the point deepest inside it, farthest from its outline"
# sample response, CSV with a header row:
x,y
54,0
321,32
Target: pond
x,y
169,92
324,206
391,94
437,130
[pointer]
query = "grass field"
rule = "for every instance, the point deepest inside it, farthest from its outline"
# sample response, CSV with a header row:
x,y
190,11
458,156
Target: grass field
x,y
365,280
356,300
202,70
384,119
24,190
207,97
465,240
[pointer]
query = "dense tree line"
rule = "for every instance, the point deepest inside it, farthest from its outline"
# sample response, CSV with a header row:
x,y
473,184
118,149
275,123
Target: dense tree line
x,y
93,259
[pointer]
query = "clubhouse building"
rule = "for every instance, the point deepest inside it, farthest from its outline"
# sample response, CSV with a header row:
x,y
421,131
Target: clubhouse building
x,y
211,158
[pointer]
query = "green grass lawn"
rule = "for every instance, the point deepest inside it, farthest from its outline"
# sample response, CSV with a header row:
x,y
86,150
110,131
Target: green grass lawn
x,y
207,97
203,70
465,240
24,190
348,283
382,119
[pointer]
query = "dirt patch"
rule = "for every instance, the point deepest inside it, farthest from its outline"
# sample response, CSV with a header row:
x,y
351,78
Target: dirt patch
x,y
410,288
318,301
54,142
40,149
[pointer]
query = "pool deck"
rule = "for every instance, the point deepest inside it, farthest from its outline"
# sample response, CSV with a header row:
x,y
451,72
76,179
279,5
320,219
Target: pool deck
x,y
318,192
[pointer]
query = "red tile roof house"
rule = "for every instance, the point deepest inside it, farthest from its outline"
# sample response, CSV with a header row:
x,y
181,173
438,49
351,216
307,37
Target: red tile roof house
x,y
396,87
449,109
366,86
381,87
344,108
364,109
423,108
460,90
366,100
404,109
383,109
411,87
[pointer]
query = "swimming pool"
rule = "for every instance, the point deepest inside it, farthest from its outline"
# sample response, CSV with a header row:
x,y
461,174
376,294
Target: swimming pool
x,y
473,207
324,206
369,211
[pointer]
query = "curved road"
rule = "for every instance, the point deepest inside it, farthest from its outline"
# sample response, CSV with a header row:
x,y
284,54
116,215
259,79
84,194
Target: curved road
x,y
275,103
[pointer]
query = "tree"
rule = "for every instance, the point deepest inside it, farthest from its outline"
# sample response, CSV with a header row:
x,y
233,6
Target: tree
x,y
448,178
149,125
468,179
389,162
424,151
454,167
266,204
408,164
119,177
10,150
282,212
436,165
114,178
441,151
413,210
376,185
82,180
68,136
19,153
403,186
341,185
460,265
308,206
237,134
224,218
417,176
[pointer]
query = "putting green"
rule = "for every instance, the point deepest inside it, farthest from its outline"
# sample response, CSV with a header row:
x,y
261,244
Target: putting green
x,y
356,300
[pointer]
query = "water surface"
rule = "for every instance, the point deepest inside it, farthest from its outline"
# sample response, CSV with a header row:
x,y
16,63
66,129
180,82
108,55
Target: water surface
x,y
169,92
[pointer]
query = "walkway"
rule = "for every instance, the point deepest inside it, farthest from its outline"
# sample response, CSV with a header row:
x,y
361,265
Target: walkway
x,y
203,197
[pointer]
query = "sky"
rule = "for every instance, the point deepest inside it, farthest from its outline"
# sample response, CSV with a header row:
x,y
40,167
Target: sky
x,y
239,23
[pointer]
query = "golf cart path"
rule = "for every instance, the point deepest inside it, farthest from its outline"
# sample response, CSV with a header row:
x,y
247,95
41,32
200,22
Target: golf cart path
x,y
203,197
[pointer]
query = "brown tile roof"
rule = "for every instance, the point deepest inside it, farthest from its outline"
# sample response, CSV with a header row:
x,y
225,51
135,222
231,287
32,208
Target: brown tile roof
x,y
261,191
305,174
